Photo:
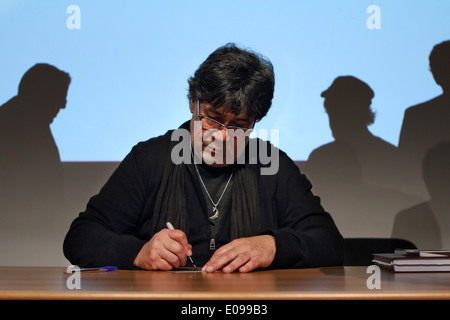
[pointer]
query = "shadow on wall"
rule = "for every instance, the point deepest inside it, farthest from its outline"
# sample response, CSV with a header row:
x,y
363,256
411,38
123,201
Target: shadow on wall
x,y
35,209
365,181
32,193
424,147
428,223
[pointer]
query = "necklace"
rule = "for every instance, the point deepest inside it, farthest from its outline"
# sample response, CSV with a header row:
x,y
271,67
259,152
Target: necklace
x,y
215,210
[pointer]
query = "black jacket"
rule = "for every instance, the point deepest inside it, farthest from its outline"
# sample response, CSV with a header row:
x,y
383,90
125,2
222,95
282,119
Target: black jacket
x,y
116,223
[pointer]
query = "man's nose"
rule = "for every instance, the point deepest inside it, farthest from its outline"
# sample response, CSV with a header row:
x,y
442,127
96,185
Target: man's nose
x,y
225,134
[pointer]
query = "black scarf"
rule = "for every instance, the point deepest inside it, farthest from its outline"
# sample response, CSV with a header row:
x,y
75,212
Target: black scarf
x,y
170,202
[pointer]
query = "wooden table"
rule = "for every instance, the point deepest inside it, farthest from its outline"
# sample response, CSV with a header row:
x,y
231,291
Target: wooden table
x,y
318,283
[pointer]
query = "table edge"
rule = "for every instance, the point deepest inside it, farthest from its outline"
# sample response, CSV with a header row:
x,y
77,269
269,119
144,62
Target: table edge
x,y
100,295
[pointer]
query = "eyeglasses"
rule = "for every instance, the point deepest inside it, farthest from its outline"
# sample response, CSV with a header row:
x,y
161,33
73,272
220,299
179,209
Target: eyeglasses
x,y
210,123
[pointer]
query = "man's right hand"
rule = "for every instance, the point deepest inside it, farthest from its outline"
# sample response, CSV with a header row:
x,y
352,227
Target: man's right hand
x,y
166,250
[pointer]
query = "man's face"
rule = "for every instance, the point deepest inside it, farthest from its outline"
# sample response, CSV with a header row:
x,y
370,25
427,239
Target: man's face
x,y
220,146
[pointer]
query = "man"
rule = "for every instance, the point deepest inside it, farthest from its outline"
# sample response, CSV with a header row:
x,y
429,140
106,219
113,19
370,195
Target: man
x,y
226,214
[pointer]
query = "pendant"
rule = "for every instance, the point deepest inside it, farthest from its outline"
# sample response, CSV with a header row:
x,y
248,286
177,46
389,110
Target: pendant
x,y
216,214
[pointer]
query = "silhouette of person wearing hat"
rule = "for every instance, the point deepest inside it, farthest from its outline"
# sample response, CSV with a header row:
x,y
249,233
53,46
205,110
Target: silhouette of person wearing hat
x,y
355,173
348,105
426,124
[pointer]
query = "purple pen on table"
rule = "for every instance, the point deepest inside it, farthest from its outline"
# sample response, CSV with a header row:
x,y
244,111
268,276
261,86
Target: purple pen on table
x,y
106,268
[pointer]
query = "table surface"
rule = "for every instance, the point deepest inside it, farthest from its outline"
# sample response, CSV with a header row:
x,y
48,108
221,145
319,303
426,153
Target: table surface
x,y
314,283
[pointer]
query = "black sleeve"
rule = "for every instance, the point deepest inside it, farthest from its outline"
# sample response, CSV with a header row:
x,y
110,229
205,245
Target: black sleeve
x,y
306,235
105,233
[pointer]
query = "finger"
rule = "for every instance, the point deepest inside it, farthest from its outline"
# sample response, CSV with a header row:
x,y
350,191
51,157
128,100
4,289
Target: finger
x,y
174,253
181,238
155,261
251,265
237,263
221,258
162,264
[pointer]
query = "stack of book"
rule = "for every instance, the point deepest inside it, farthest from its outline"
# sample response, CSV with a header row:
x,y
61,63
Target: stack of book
x,y
414,260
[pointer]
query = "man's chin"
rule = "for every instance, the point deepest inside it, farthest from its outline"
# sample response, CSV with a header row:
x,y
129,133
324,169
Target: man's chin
x,y
217,165
215,158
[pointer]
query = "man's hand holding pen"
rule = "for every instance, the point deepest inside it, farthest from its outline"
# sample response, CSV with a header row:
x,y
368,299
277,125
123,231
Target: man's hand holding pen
x,y
166,250
169,249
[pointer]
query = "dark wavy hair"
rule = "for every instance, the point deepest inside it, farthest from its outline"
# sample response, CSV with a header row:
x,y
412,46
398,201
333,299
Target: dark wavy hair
x,y
236,78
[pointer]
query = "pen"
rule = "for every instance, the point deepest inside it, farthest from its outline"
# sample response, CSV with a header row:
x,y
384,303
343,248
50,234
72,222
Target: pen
x,y
107,268
170,226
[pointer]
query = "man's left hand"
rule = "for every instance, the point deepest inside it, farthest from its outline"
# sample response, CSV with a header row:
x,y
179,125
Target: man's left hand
x,y
244,254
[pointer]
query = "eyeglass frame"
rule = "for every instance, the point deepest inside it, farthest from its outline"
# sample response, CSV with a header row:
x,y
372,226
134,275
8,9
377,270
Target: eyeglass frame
x,y
228,127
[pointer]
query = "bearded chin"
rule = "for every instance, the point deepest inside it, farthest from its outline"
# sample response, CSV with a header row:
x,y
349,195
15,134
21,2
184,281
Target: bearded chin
x,y
211,147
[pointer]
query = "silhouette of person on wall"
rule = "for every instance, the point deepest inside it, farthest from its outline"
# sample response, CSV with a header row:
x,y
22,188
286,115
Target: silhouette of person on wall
x,y
355,173
428,224
426,124
348,105
31,176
